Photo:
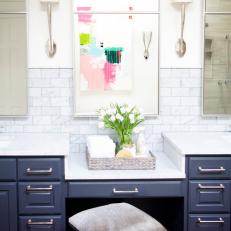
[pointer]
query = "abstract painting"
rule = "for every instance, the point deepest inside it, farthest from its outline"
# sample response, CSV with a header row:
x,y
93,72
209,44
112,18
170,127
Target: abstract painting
x,y
105,43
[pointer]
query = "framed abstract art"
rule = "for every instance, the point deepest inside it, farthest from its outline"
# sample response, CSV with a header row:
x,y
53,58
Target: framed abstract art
x,y
116,55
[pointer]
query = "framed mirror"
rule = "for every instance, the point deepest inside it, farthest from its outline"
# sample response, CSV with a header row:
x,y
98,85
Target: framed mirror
x,y
13,58
116,55
217,58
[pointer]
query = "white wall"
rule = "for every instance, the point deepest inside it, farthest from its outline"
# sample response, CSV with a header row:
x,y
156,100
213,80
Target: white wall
x,y
62,30
170,32
51,109
38,35
51,90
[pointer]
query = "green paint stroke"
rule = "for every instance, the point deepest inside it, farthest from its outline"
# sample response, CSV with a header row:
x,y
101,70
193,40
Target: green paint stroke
x,y
114,54
85,39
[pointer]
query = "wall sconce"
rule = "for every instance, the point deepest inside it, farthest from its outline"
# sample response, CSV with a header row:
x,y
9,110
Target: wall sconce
x,y
50,45
181,44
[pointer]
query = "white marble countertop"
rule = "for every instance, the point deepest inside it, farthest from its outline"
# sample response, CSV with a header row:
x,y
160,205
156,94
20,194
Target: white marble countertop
x,y
76,169
199,143
34,144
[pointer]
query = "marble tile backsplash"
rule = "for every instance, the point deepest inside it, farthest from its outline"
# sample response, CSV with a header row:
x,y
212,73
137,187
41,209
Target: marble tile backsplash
x,y
51,108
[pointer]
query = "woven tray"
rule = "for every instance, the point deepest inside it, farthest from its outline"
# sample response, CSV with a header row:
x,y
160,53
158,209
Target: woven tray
x,y
134,163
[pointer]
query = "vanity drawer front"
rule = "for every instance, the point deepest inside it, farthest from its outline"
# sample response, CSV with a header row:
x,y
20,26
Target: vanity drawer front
x,y
7,169
205,222
209,167
40,169
40,197
126,189
35,223
209,196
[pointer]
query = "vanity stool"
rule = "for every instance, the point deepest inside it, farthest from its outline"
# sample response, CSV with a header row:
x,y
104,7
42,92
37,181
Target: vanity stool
x,y
115,216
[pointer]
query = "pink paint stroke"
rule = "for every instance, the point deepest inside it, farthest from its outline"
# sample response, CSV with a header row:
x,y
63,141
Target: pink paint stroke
x,y
84,18
83,8
94,76
109,74
119,54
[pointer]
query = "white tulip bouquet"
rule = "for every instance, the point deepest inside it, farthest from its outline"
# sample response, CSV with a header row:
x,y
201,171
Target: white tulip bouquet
x,y
123,119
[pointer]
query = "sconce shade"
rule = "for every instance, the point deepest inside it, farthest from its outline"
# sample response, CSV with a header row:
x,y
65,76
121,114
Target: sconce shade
x,y
182,1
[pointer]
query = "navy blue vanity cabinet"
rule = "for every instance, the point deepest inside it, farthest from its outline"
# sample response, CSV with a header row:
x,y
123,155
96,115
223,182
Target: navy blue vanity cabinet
x,y
41,194
8,169
8,196
8,207
209,197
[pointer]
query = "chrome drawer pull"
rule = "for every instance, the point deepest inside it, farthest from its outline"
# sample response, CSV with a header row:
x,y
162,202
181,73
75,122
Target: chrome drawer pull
x,y
29,188
212,170
221,186
30,222
39,172
115,191
218,221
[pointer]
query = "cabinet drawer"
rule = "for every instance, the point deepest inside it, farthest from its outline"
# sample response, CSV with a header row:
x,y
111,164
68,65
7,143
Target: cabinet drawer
x,y
7,169
35,223
209,167
40,198
209,196
209,222
126,189
40,169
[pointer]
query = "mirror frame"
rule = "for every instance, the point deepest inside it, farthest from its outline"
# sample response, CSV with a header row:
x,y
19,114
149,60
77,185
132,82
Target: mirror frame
x,y
75,71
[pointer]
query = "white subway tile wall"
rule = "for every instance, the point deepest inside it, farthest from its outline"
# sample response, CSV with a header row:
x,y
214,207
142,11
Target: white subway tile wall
x,y
51,108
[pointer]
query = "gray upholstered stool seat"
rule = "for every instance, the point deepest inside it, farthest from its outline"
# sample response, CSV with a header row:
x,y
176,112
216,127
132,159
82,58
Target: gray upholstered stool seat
x,y
115,217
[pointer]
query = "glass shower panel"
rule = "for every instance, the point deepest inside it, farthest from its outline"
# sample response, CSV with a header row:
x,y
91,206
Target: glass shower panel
x,y
217,64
